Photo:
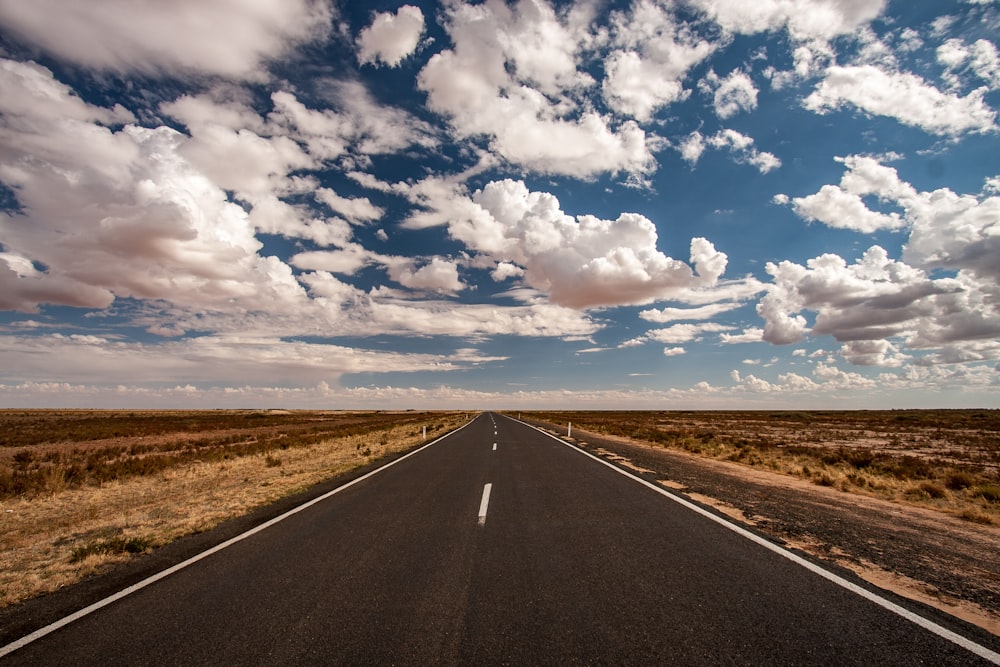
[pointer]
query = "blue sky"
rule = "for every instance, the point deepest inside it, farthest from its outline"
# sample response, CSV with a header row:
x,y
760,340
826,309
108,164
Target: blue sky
x,y
678,204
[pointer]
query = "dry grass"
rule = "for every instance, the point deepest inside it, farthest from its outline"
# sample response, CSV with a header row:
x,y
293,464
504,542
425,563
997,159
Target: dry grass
x,y
69,528
948,460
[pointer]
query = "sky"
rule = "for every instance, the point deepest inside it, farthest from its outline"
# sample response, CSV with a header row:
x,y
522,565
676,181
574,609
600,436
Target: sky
x,y
654,204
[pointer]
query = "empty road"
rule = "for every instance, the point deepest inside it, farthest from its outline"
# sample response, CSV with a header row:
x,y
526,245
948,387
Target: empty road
x,y
495,545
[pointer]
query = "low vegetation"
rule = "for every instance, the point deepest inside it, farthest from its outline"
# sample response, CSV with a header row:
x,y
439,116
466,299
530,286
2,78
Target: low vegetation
x,y
80,490
948,460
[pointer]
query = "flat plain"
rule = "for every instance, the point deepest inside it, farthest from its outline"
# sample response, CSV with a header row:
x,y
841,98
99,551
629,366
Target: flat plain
x,y
83,490
948,460
909,500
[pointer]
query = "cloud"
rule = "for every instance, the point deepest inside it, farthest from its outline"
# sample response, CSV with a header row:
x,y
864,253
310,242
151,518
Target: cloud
x,y
579,262
804,19
955,231
980,59
673,351
447,318
741,146
257,157
827,383
664,315
879,299
903,96
506,270
234,147
652,55
947,230
116,213
356,209
355,122
692,147
439,275
274,216
749,335
232,359
738,144
346,261
838,208
872,299
512,77
843,207
391,37
685,333
210,37
150,221
872,353
731,95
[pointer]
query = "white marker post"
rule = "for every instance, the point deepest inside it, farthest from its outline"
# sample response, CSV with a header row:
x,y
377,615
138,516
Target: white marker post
x,y
569,430
425,433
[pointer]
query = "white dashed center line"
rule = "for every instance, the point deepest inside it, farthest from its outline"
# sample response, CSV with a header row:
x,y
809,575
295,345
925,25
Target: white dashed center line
x,y
484,504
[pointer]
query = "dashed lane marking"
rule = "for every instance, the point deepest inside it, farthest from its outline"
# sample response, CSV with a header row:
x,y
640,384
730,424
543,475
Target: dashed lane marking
x,y
484,504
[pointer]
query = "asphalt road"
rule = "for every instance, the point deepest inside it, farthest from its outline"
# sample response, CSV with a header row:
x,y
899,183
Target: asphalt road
x,y
563,561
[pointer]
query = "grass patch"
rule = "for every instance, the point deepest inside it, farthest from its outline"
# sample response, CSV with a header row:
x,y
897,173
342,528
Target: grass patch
x,y
80,505
948,460
988,492
113,546
933,490
957,481
45,452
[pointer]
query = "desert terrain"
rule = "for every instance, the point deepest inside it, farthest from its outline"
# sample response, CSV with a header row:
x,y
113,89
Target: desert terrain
x,y
907,500
82,491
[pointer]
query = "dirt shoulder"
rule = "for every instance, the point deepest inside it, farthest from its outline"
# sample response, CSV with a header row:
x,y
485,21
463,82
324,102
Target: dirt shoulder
x,y
931,557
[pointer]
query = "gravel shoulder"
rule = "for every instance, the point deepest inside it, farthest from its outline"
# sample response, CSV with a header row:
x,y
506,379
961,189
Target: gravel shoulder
x,y
931,557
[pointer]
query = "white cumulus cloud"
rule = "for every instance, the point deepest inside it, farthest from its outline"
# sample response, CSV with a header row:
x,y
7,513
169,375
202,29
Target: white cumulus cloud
x,y
804,19
391,37
731,95
512,77
216,37
116,212
739,145
653,53
903,96
578,261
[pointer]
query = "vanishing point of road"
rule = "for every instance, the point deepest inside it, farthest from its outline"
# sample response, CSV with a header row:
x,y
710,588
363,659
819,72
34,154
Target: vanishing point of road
x,y
499,544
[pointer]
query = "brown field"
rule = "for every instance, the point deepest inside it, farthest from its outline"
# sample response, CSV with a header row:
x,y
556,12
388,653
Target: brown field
x,y
947,460
82,490
905,500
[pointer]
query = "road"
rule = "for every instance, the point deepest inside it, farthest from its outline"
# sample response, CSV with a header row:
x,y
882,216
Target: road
x,y
563,561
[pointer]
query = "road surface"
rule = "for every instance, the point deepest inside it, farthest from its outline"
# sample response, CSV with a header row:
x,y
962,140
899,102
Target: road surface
x,y
495,545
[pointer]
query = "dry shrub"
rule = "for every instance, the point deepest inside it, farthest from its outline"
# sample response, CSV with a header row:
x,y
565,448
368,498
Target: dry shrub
x,y
956,481
49,540
944,459
933,490
988,492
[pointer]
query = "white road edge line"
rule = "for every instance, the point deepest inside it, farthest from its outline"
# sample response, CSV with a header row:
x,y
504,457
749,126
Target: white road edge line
x,y
484,504
494,446
63,622
925,623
